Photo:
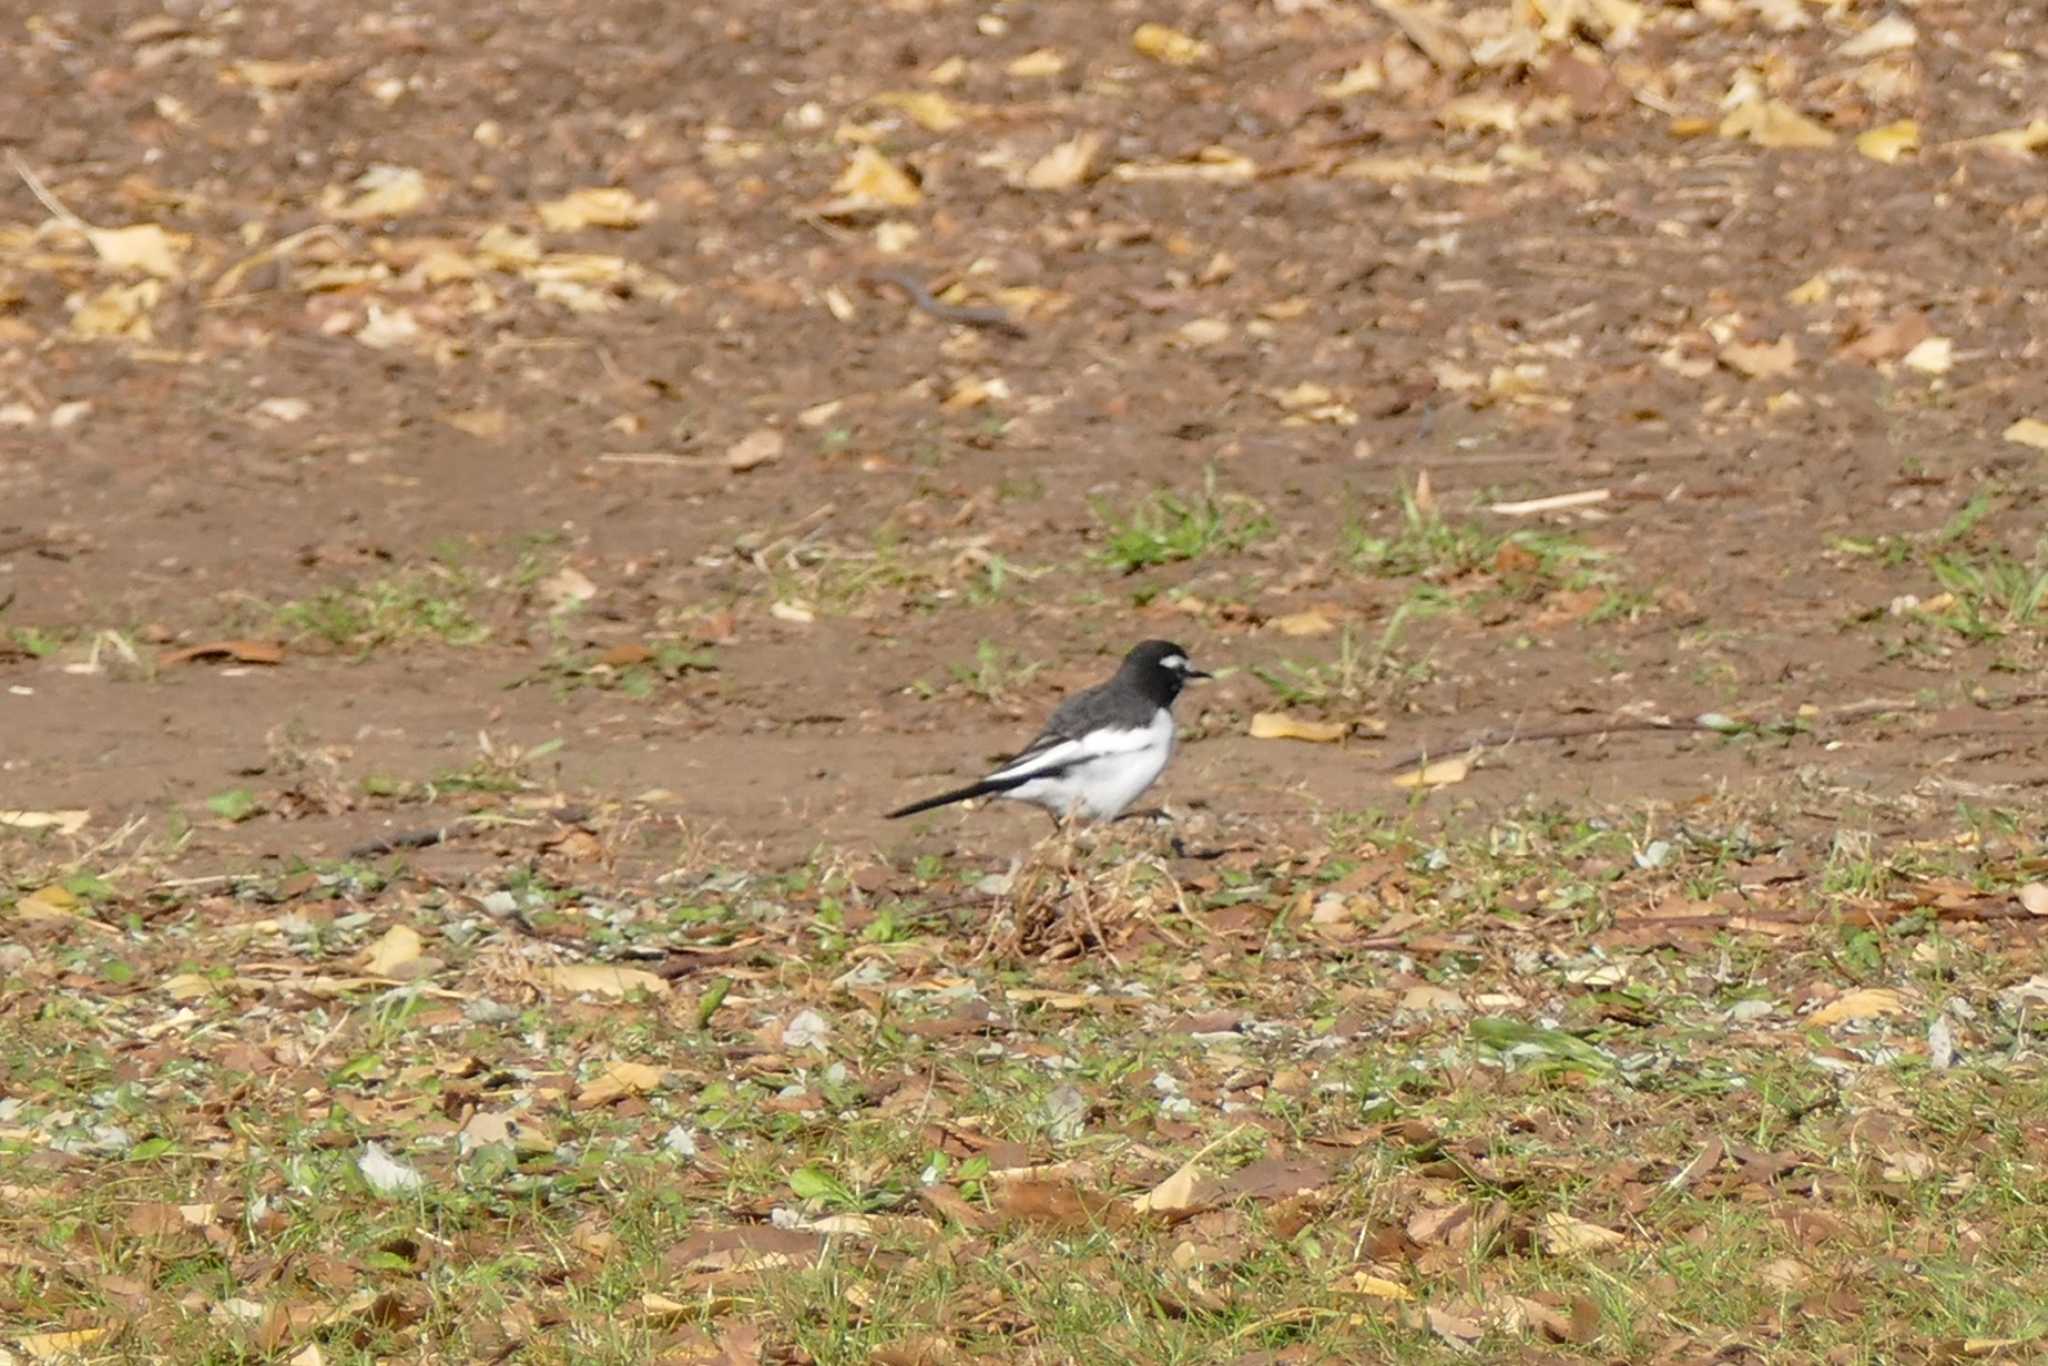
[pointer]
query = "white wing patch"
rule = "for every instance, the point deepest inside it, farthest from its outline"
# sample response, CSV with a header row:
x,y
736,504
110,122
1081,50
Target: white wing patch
x,y
1096,744
1098,775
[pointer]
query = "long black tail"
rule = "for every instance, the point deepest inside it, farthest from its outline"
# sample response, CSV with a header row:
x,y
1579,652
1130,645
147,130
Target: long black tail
x,y
958,794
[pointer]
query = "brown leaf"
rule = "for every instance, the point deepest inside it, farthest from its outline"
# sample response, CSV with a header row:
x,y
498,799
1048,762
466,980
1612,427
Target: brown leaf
x,y
1563,1236
754,449
1442,773
1059,1203
240,651
1759,361
1273,1178
1455,1329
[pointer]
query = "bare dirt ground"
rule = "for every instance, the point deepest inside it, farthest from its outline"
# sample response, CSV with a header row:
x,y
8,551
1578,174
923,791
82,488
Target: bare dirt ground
x,y
506,399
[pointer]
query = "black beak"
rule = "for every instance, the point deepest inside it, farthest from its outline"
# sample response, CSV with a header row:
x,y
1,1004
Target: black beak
x,y
1192,672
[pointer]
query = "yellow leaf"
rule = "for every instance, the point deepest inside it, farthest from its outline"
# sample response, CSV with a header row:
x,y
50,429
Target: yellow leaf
x,y
618,1080
2029,431
386,192
1278,725
2019,141
1866,1004
1163,44
872,181
141,246
596,207
1816,290
276,75
1065,166
1216,164
1890,142
51,903
928,108
1378,1287
602,979
55,1346
119,311
1038,65
1563,1236
1442,773
399,946
1309,623
187,986
1774,123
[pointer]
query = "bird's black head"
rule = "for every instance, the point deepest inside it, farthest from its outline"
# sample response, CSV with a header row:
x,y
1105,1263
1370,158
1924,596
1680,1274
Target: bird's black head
x,y
1161,668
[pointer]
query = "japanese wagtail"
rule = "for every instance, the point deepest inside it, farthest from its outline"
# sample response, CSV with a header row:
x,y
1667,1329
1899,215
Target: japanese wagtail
x,y
1102,747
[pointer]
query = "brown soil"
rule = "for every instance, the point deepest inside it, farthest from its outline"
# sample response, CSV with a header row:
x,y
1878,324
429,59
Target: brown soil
x,y
1383,253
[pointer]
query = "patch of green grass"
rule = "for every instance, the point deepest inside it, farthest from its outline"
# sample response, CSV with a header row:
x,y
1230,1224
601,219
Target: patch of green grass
x,y
1428,546
1168,528
636,673
433,603
996,673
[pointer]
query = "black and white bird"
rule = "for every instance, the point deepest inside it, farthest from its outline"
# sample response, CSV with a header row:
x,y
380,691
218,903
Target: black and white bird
x,y
1102,747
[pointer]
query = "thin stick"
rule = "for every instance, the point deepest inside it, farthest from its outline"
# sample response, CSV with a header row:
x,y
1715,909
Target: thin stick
x,y
44,197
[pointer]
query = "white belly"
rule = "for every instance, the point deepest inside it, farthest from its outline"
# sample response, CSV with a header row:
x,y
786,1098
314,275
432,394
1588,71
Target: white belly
x,y
1102,788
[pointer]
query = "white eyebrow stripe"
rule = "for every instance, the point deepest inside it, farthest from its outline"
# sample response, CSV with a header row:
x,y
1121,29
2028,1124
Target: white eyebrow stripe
x,y
1174,662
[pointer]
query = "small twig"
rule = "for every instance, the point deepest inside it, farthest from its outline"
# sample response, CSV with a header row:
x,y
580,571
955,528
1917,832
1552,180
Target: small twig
x,y
44,197
411,839
921,298
1499,736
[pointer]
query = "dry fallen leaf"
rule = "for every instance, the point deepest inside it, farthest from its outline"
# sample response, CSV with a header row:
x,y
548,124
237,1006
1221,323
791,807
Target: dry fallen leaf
x,y
2029,431
142,246
63,822
871,181
1278,725
119,311
59,1346
2017,141
1563,1236
1760,361
1163,44
619,1080
754,449
1932,356
1893,33
596,207
602,979
1037,65
1773,123
1376,1287
930,109
1065,166
1309,623
2033,896
1889,142
383,192
1442,773
238,651
399,946
1866,1004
